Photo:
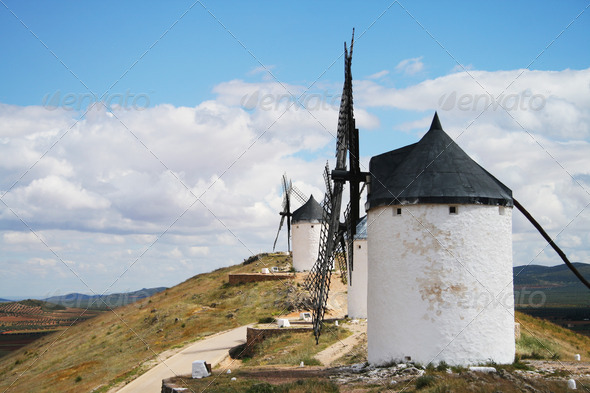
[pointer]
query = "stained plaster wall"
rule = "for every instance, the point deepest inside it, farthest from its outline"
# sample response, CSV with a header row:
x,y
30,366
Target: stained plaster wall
x,y
306,243
440,284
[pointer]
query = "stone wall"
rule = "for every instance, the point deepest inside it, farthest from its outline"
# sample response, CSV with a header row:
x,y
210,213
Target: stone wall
x,y
242,278
171,387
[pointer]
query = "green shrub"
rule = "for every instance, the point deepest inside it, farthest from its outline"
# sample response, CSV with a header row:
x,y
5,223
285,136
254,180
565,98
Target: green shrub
x,y
311,361
424,381
442,366
267,320
262,388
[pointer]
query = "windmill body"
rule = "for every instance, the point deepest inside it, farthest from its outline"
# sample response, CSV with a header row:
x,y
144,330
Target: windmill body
x,y
306,225
439,257
357,284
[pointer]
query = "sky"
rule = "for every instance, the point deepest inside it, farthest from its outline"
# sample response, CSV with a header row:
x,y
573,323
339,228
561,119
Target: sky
x,y
142,143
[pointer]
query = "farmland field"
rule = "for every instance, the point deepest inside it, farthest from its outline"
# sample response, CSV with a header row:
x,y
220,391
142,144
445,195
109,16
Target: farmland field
x,y
24,322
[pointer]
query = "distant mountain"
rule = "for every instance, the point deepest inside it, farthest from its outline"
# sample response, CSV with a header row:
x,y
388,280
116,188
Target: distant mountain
x,y
536,286
105,301
5,300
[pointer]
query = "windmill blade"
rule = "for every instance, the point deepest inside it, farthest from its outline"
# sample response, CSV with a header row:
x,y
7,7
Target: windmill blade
x,y
336,239
348,240
298,194
279,231
318,281
285,212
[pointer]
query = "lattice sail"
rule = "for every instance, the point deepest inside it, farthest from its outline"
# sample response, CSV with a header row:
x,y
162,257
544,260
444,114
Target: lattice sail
x,y
318,280
336,238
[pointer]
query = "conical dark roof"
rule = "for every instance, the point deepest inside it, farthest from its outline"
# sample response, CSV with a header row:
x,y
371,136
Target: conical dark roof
x,y
434,170
310,211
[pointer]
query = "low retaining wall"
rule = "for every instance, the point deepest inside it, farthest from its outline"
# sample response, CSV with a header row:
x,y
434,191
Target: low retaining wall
x,y
169,387
241,278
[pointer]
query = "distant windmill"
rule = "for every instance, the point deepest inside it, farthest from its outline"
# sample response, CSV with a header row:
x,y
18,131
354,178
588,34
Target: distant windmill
x,y
287,207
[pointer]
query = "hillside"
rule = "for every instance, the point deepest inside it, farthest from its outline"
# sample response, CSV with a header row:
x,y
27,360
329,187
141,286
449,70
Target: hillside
x,y
550,286
115,346
103,302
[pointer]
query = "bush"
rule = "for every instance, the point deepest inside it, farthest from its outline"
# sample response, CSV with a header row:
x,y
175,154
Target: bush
x,y
267,320
311,361
262,388
250,260
519,365
424,381
237,352
442,366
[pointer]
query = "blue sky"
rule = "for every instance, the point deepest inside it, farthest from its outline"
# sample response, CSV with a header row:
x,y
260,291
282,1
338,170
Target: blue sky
x,y
100,200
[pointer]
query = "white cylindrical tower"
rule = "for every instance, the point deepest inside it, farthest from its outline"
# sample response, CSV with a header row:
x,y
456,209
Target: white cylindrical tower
x,y
357,279
305,232
440,257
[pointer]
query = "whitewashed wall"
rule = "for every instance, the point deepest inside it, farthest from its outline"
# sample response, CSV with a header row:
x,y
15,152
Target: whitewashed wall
x,y
431,278
305,237
357,292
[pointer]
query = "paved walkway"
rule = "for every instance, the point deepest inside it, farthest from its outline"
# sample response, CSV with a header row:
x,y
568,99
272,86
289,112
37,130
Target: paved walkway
x,y
212,349
342,347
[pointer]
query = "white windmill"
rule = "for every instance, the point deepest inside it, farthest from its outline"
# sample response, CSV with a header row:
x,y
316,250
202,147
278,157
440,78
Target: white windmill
x,y
305,227
440,257
439,249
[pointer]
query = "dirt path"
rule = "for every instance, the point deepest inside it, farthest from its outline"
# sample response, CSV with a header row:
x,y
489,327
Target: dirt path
x,y
341,348
213,350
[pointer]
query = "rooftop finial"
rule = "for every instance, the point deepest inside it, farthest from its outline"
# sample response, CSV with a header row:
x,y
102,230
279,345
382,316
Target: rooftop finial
x,y
435,123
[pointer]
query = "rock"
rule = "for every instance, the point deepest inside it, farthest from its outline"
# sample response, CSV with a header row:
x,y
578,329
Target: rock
x,y
571,384
412,371
482,369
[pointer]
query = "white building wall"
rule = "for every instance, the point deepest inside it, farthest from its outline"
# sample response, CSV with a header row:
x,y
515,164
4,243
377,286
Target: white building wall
x,y
305,237
357,289
440,285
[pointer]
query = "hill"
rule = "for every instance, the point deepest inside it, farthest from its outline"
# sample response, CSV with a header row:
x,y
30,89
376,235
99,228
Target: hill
x,y
5,300
550,286
115,346
103,302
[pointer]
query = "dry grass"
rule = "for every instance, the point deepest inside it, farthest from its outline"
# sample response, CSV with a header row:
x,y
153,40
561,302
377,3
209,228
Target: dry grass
x,y
115,346
541,339
292,349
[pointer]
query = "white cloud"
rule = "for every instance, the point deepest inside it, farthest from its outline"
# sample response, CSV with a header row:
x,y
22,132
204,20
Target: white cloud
x,y
378,75
20,238
119,191
197,251
410,66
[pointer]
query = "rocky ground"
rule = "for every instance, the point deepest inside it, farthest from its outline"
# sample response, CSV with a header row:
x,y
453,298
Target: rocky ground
x,y
403,375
